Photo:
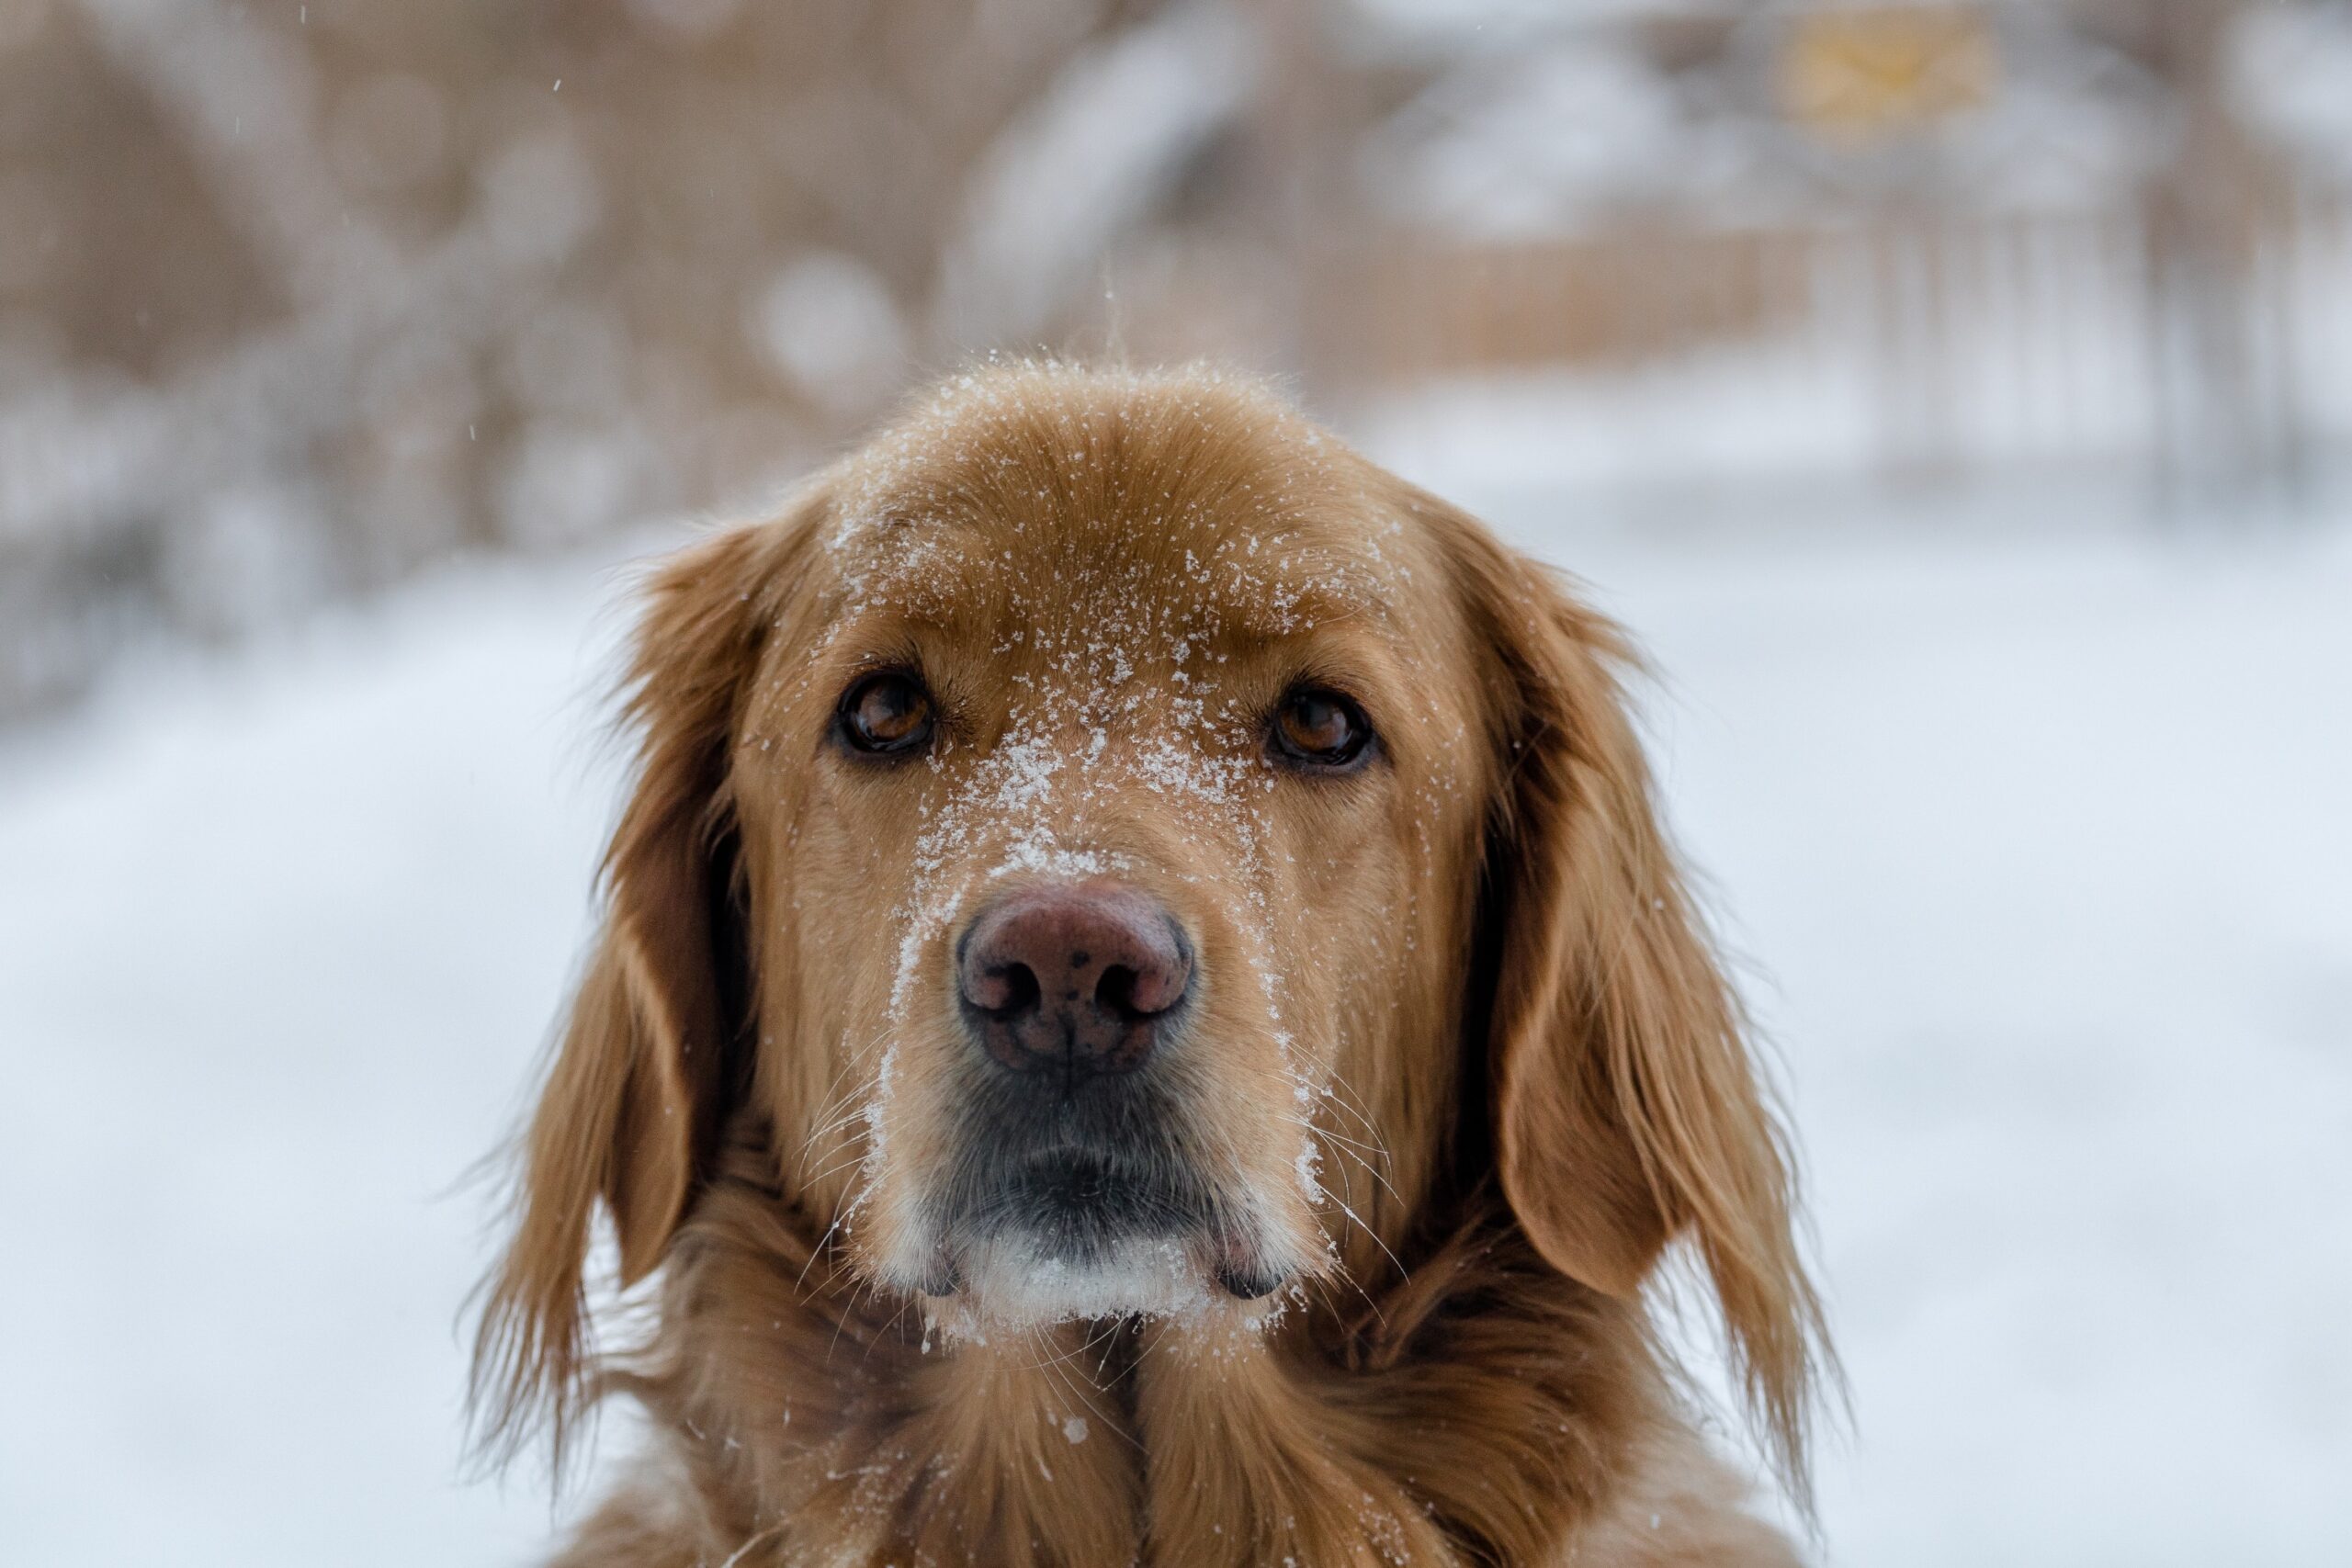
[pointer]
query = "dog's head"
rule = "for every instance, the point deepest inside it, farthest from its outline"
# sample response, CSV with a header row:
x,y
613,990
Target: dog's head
x,y
1128,853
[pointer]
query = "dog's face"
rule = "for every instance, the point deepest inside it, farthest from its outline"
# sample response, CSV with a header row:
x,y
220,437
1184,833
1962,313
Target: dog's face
x,y
1110,848
1106,800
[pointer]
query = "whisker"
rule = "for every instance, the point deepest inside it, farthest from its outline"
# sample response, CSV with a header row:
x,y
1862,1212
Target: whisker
x,y
1347,1277
1056,1368
843,1208
753,1540
1362,1153
848,1162
1335,1137
1343,1094
1393,1260
864,1288
1111,1326
809,1150
841,1095
890,1327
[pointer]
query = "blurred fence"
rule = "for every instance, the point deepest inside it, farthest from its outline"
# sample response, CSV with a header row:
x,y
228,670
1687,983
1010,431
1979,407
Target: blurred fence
x,y
295,297
1922,348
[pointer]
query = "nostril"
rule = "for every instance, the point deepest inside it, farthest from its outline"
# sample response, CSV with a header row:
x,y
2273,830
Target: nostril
x,y
1115,992
1005,990
1089,974
1136,992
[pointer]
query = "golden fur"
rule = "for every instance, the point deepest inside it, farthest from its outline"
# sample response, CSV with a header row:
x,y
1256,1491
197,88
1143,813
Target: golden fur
x,y
1467,1060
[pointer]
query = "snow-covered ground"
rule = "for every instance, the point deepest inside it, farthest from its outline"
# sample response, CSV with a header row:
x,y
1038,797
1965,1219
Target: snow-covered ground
x,y
2037,838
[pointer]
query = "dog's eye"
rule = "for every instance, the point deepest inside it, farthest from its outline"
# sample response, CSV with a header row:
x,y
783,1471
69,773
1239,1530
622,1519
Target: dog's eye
x,y
887,714
1317,728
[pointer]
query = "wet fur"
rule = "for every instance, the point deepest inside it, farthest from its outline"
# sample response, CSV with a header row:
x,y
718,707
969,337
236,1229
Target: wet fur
x,y
1555,1086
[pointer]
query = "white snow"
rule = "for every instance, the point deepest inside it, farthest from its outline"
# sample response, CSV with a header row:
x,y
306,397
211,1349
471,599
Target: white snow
x,y
1011,1282
2035,834
2037,849
278,938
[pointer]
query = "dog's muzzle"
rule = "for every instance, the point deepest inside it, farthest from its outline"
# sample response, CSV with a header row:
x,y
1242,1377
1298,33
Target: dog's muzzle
x,y
1076,1136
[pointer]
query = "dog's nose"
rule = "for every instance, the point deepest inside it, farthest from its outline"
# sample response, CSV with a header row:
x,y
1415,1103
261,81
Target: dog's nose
x,y
1082,977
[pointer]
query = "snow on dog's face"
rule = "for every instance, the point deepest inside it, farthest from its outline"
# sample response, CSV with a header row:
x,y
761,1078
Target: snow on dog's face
x,y
1112,850
1105,796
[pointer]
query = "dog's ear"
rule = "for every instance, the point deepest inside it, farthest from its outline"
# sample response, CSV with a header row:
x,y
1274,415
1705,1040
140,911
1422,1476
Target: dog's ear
x,y
634,1104
1626,1107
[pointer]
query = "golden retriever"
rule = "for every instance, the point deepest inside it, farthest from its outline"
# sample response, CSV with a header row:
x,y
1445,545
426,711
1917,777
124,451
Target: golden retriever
x,y
1144,1016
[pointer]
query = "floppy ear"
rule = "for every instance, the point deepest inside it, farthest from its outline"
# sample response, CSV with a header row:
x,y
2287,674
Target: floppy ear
x,y
1626,1110
635,1102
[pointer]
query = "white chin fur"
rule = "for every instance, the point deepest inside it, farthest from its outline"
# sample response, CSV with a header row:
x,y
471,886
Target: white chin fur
x,y
1007,1283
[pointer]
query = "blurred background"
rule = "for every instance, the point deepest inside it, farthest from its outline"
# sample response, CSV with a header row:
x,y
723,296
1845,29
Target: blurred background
x,y
1955,397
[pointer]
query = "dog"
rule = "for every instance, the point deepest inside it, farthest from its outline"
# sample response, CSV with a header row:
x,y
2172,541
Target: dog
x,y
1144,1015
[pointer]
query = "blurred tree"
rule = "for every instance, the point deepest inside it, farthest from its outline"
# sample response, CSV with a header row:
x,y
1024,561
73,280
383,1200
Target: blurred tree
x,y
296,295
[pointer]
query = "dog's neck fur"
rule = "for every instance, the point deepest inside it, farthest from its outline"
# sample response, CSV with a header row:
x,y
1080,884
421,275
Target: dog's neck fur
x,y
1482,1409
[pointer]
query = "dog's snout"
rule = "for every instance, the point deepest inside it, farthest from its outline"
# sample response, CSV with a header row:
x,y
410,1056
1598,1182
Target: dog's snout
x,y
1082,977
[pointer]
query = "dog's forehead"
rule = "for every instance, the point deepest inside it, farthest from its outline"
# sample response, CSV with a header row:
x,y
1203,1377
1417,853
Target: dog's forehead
x,y
1111,504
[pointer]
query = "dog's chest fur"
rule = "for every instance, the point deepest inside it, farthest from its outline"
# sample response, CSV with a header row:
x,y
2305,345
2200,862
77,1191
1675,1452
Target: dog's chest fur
x,y
1481,1411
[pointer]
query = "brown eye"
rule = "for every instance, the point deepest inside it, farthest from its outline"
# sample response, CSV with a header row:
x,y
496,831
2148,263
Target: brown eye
x,y
1317,728
889,715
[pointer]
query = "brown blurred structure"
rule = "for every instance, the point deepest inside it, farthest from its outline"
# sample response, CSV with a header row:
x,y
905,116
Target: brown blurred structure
x,y
295,297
